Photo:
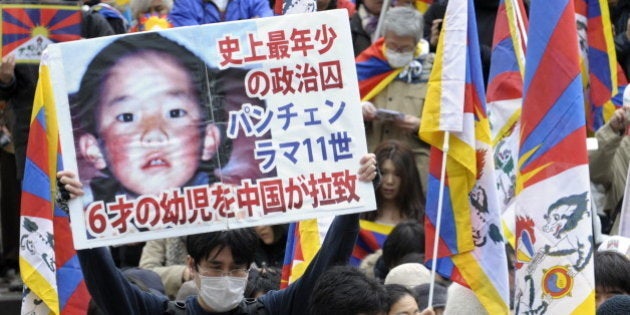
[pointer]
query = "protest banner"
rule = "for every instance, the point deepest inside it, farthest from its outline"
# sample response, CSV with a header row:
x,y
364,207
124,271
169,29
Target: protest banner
x,y
210,127
27,29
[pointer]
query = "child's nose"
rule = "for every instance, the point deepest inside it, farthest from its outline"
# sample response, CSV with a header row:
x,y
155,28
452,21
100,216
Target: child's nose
x,y
154,133
155,136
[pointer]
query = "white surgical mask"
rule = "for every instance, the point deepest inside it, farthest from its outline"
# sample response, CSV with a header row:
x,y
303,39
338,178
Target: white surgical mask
x,y
222,294
398,59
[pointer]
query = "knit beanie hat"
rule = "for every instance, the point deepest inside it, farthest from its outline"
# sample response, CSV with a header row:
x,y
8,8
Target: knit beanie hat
x,y
618,304
462,300
409,275
421,293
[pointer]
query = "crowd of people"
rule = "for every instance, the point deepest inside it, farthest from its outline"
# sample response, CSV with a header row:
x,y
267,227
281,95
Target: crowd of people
x,y
238,271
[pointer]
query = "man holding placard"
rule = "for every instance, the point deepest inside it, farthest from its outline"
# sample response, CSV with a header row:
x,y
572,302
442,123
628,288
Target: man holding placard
x,y
219,262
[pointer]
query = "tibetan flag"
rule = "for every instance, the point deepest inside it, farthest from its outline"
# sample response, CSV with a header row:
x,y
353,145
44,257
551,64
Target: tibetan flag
x,y
554,239
599,60
373,71
48,264
27,29
505,99
303,242
372,235
455,107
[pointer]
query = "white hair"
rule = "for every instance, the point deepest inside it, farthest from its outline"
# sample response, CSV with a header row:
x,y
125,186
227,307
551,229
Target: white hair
x,y
403,21
141,6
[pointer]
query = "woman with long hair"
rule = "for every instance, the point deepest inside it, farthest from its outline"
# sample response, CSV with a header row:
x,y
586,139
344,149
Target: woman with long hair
x,y
398,192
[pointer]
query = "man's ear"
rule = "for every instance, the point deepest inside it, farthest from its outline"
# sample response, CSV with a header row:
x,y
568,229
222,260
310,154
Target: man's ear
x,y
91,151
211,142
190,264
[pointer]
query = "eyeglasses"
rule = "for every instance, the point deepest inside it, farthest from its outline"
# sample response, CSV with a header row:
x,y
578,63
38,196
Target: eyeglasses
x,y
398,49
216,272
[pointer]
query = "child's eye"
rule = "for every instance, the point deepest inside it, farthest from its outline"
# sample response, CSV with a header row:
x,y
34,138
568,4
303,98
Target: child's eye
x,y
176,113
125,117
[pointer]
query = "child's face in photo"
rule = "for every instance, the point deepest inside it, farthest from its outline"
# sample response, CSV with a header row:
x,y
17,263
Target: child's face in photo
x,y
148,120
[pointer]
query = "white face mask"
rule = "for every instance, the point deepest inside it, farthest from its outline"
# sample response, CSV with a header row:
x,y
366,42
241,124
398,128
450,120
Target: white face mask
x,y
222,294
397,59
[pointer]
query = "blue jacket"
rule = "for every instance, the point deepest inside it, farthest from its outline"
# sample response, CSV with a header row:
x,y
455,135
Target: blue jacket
x,y
197,12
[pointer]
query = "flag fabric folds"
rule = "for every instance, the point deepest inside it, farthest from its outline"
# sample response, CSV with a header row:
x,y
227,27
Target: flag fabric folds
x,y
372,235
304,239
505,98
373,71
48,263
554,241
599,61
455,106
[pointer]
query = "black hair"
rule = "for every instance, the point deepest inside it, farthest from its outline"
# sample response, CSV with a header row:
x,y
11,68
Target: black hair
x,y
280,232
272,255
395,292
612,272
406,238
84,103
410,199
242,243
345,290
414,257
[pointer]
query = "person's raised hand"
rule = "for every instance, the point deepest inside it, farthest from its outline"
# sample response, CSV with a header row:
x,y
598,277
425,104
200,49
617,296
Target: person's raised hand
x,y
410,123
70,183
619,120
367,171
6,69
369,111
436,26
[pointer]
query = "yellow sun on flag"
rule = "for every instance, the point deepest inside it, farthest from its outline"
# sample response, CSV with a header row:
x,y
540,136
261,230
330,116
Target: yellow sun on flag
x,y
156,23
40,31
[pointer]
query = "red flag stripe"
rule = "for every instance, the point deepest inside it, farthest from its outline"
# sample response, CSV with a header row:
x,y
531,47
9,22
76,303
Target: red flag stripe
x,y
34,206
37,150
546,85
559,153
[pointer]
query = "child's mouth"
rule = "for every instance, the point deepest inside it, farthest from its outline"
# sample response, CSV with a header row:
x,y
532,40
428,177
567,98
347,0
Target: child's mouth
x,y
155,163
